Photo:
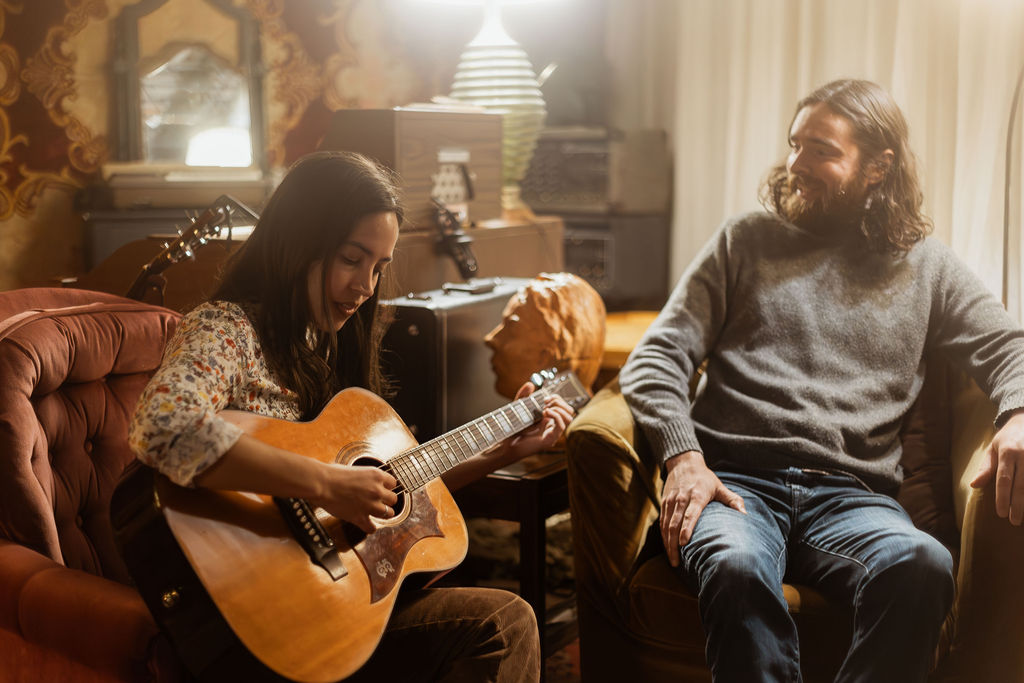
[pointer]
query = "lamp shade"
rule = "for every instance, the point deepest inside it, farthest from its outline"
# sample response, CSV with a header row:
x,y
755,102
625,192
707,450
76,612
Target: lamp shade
x,y
495,74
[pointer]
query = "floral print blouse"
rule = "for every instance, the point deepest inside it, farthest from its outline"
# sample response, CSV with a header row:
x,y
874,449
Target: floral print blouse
x,y
213,362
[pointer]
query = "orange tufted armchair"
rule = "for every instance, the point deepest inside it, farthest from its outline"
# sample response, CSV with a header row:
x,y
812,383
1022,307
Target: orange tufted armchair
x,y
69,378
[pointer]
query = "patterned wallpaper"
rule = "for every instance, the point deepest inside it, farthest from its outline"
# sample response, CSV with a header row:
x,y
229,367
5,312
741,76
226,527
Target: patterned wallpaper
x,y
41,141
55,94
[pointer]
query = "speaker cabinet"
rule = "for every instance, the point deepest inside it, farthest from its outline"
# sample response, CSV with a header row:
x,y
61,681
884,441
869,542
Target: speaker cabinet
x,y
435,354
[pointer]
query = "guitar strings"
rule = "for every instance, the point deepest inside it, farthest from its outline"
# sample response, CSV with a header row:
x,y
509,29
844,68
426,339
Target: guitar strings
x,y
408,469
407,460
401,469
404,466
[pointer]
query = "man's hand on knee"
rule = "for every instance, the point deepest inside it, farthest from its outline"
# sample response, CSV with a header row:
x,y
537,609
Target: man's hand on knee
x,y
689,486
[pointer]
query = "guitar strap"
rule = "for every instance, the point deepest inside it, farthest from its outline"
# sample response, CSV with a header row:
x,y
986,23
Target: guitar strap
x,y
19,320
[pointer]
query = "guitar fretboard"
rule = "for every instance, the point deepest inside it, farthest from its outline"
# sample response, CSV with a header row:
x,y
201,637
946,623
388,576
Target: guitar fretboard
x,y
418,466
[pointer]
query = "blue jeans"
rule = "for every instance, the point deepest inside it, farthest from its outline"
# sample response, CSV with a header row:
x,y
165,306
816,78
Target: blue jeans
x,y
829,531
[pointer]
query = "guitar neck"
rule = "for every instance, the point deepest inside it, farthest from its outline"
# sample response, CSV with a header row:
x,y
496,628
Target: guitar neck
x,y
416,467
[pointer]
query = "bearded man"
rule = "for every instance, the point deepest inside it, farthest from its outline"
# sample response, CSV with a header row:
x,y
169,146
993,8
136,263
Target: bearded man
x,y
815,318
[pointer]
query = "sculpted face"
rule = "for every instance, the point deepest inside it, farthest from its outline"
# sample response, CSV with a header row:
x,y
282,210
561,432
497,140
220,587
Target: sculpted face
x,y
557,320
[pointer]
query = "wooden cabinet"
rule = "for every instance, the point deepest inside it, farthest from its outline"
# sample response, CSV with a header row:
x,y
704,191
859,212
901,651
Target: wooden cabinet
x,y
428,149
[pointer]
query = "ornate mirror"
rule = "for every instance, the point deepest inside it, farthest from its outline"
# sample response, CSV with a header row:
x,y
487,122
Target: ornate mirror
x,y
189,95
195,110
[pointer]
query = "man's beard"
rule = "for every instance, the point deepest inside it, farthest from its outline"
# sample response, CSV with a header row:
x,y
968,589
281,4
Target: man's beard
x,y
832,212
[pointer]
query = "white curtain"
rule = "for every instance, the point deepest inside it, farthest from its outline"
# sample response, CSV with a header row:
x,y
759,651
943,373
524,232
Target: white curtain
x,y
723,76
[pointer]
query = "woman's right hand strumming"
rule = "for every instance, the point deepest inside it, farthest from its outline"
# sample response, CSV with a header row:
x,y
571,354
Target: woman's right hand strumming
x,y
352,493
356,493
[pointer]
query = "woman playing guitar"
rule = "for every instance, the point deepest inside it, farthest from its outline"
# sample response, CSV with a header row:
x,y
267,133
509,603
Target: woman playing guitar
x,y
293,322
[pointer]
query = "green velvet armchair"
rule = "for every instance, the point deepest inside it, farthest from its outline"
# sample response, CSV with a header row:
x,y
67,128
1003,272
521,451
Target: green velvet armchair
x,y
638,621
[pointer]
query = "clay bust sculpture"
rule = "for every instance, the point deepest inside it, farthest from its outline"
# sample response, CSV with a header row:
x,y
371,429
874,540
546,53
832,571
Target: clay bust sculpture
x,y
555,320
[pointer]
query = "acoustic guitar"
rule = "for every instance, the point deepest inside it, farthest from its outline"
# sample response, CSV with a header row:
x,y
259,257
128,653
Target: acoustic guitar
x,y
251,587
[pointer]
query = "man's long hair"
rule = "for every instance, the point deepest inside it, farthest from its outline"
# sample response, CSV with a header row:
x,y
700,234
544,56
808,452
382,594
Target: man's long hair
x,y
309,217
892,219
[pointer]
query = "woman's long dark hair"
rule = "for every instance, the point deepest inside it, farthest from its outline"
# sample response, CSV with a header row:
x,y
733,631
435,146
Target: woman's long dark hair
x,y
892,219
311,214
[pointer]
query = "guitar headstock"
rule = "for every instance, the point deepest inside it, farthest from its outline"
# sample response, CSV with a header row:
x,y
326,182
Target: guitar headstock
x,y
566,384
198,232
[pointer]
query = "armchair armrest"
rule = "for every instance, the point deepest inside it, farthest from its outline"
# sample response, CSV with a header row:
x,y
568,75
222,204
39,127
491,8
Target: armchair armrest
x,y
87,619
973,428
614,497
983,632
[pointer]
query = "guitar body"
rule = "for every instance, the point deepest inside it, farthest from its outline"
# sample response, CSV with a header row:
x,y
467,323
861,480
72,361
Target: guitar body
x,y
243,559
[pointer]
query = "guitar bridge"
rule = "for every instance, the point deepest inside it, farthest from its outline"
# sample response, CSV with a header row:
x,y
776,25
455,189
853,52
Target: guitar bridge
x,y
310,534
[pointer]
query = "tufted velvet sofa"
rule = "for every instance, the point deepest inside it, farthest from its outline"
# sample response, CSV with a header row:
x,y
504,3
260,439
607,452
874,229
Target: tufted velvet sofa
x,y
638,621
69,379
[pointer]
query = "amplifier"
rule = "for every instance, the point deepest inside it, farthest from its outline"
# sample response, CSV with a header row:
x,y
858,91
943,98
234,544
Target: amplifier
x,y
623,257
434,352
592,169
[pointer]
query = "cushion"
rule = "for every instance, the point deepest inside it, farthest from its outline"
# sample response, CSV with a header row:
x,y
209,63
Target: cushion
x,y
72,378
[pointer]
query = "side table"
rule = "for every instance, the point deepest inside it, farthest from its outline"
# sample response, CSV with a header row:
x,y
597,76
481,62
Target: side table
x,y
527,492
623,329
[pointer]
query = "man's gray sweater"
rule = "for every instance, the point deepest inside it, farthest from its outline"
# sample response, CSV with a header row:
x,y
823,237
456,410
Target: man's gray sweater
x,y
815,349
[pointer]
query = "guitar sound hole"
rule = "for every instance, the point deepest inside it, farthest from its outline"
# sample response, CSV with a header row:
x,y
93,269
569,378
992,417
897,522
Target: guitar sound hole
x,y
367,461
